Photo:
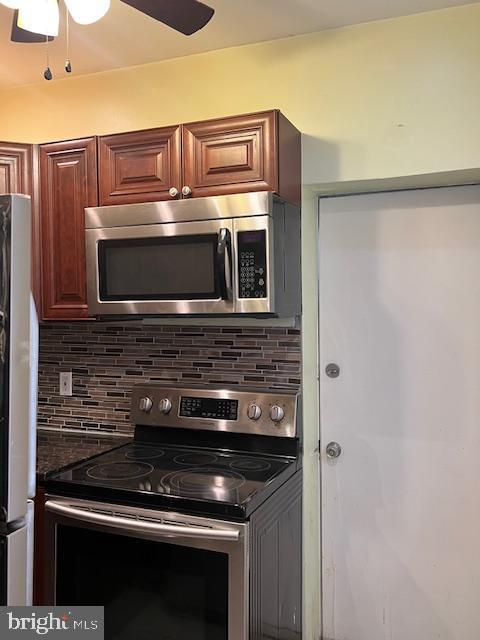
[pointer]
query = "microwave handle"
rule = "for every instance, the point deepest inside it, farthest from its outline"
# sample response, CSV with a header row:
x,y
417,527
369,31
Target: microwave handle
x,y
224,264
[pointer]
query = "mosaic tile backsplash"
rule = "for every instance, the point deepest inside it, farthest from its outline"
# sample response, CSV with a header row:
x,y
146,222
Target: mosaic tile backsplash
x,y
106,360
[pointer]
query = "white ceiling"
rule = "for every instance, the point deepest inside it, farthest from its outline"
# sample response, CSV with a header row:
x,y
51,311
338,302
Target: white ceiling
x,y
126,37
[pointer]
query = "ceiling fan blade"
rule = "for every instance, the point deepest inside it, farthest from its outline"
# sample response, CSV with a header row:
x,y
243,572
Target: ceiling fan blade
x,y
186,16
22,35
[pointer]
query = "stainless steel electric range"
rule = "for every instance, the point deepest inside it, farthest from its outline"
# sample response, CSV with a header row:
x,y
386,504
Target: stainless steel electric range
x,y
192,531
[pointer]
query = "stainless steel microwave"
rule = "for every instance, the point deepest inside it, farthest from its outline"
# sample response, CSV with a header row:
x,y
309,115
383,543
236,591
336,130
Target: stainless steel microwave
x,y
222,255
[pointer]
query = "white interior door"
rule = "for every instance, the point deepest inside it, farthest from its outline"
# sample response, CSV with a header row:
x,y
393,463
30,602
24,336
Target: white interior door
x,y
400,315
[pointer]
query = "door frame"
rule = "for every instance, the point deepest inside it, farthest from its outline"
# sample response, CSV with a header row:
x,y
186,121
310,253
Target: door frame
x,y
312,461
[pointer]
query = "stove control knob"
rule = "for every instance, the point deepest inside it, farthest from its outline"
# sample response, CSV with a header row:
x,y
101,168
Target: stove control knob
x,y
165,406
254,412
145,404
277,413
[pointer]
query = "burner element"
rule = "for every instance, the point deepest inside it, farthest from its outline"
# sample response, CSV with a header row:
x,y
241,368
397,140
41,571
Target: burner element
x,y
144,453
196,458
212,482
119,470
250,464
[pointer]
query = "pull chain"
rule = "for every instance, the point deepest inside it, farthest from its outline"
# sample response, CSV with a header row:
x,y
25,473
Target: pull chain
x,y
47,74
68,64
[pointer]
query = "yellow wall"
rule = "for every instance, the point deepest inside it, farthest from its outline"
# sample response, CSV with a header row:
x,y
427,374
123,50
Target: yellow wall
x,y
390,98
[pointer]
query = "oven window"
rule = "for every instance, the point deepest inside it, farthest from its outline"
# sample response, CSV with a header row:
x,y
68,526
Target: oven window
x,y
172,268
149,589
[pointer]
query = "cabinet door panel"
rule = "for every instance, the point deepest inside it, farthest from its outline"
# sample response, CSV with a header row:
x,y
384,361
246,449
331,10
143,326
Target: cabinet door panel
x,y
18,174
8,175
231,155
15,163
140,166
68,185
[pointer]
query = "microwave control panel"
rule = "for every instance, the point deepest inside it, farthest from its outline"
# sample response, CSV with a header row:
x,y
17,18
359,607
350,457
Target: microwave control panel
x,y
252,264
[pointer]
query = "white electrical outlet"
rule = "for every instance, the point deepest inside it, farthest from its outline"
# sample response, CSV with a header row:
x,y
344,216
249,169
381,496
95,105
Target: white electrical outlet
x,y
66,383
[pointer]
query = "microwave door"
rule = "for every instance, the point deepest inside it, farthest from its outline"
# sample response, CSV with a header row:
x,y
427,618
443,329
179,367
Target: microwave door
x,y
161,269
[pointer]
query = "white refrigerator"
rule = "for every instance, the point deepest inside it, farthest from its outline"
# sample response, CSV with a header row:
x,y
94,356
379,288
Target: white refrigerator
x,y
18,401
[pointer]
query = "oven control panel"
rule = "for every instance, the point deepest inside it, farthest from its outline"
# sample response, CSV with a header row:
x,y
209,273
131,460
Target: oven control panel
x,y
217,408
252,264
265,412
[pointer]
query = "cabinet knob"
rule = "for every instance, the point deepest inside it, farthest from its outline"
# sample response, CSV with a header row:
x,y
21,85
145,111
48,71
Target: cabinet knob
x,y
173,191
186,191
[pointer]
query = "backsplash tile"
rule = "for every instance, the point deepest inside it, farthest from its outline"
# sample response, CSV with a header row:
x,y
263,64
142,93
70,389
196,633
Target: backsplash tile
x,y
107,359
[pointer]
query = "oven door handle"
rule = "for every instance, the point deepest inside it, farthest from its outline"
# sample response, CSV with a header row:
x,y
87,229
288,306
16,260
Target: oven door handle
x,y
224,264
142,526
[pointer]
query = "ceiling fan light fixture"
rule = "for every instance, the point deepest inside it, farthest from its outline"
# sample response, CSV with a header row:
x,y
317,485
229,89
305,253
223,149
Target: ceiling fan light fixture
x,y
40,16
13,4
87,11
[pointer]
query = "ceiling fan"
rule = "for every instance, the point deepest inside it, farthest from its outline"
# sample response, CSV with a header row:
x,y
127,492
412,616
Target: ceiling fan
x,y
38,20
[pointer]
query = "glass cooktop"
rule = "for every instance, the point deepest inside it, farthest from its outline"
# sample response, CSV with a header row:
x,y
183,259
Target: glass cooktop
x,y
176,472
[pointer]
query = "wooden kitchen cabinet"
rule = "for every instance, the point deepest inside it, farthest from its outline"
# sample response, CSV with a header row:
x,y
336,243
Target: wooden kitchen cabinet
x,y
15,168
68,177
19,175
140,166
254,152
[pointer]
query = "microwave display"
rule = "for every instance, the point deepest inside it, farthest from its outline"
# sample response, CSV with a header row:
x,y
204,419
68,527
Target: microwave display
x,y
219,409
252,264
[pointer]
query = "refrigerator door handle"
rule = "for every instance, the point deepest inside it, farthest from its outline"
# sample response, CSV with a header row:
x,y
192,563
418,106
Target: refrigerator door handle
x,y
30,552
33,400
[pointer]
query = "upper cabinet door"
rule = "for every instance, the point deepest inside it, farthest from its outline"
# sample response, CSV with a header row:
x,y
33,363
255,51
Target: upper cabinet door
x,y
139,167
231,155
68,173
15,168
19,174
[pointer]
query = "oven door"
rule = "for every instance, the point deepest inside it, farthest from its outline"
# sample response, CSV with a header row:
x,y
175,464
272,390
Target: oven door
x,y
160,269
159,575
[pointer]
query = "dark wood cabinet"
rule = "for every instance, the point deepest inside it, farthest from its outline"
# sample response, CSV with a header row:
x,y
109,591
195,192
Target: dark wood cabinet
x,y
139,167
15,168
254,152
19,174
68,175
